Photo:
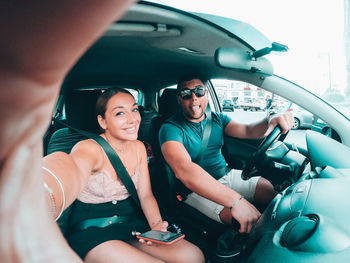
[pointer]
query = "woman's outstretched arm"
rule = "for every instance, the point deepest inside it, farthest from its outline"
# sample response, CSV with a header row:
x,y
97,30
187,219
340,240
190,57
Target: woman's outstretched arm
x,y
65,175
40,41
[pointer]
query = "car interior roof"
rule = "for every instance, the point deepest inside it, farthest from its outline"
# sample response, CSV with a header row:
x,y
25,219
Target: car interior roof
x,y
153,47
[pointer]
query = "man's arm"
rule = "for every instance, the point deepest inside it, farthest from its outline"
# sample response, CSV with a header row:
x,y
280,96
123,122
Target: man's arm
x,y
199,181
195,177
261,128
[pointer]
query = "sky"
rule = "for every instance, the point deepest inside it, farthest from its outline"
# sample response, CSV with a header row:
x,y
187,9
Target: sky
x,y
278,19
312,29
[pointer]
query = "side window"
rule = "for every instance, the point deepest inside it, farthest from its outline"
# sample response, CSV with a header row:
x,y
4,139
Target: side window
x,y
137,95
242,101
246,103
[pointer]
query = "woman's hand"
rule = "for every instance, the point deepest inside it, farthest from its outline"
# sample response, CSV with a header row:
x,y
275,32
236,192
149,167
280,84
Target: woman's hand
x,y
148,243
160,226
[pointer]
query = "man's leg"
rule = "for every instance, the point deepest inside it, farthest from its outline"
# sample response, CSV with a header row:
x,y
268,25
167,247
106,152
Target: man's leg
x,y
264,193
252,190
205,206
257,189
216,211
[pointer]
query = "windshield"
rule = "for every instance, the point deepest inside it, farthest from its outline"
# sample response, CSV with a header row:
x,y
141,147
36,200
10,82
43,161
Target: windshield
x,y
313,30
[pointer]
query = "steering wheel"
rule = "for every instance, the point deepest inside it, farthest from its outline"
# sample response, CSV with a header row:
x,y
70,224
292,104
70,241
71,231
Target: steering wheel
x,y
260,153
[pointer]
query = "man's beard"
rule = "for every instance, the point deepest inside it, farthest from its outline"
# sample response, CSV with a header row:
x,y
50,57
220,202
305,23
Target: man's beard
x,y
190,117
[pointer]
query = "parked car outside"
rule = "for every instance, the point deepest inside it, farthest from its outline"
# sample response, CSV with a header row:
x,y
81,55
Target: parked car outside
x,y
302,117
227,105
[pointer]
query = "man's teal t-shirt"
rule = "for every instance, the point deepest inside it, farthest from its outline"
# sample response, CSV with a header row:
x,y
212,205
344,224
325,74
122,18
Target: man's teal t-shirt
x,y
178,128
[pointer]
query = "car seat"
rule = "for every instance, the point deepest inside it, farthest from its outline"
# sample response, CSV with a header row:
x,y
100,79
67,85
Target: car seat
x,y
80,114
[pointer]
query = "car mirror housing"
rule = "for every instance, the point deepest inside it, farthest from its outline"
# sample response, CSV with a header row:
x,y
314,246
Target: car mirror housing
x,y
277,47
233,58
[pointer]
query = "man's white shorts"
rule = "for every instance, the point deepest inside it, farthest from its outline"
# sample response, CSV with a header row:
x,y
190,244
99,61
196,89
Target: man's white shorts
x,y
232,180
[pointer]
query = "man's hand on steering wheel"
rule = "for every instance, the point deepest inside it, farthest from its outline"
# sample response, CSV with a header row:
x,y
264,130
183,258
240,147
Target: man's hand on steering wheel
x,y
284,120
278,128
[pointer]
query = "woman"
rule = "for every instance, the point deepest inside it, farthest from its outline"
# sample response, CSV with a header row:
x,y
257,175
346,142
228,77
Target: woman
x,y
86,173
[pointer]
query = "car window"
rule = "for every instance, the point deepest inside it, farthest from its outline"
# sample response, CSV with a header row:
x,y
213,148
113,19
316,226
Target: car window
x,y
137,95
248,103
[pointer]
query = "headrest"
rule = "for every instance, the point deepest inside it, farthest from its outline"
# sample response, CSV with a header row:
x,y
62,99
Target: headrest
x,y
80,109
167,103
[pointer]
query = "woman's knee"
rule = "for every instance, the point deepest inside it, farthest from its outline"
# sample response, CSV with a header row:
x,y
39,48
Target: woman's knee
x,y
179,252
118,251
189,253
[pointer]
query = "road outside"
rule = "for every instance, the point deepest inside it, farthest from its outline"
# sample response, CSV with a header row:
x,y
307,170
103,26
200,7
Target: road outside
x,y
294,136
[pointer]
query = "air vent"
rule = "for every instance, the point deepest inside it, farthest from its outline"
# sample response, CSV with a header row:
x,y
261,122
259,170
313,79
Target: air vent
x,y
298,230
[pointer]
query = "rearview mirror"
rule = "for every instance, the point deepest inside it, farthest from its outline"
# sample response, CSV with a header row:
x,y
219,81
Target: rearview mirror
x,y
233,58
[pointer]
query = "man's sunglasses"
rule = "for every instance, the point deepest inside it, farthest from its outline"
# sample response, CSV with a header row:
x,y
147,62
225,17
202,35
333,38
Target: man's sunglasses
x,y
186,94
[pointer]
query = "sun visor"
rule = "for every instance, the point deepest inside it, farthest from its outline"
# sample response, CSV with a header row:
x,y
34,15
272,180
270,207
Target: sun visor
x,y
232,58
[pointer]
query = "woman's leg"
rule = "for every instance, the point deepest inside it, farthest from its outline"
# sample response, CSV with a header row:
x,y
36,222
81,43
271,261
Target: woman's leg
x,y
178,252
115,251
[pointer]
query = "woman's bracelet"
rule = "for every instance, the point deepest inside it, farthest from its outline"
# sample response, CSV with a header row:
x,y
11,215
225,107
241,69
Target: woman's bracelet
x,y
61,187
236,202
52,200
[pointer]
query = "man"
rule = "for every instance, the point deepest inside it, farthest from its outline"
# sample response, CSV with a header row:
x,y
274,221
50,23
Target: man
x,y
180,139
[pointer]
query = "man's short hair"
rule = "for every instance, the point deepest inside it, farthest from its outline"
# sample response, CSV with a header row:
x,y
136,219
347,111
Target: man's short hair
x,y
182,80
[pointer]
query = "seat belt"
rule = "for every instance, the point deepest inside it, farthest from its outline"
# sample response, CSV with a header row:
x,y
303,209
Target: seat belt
x,y
183,191
113,158
205,138
118,167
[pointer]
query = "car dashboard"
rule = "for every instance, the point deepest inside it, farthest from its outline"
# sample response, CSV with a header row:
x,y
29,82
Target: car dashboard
x,y
308,219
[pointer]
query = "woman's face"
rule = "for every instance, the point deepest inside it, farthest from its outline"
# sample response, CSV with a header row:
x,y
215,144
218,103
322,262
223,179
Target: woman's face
x,y
122,117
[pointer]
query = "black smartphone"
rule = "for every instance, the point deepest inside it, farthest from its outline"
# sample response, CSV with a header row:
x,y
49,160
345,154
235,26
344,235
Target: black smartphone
x,y
160,237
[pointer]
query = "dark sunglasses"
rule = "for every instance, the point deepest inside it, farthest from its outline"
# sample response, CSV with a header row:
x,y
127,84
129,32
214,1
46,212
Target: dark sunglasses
x,y
186,94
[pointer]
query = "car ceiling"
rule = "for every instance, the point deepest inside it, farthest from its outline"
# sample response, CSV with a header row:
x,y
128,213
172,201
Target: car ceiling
x,y
142,50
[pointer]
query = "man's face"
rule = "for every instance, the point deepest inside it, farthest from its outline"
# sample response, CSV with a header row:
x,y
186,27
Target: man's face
x,y
193,99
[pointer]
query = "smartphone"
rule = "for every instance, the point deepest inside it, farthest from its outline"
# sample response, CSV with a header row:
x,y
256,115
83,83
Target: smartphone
x,y
160,237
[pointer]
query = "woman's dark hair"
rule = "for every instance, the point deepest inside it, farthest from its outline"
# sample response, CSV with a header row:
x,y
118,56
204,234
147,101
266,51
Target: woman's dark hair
x,y
101,104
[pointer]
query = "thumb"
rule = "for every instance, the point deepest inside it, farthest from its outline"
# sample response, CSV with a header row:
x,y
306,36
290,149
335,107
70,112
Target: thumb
x,y
164,225
269,129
